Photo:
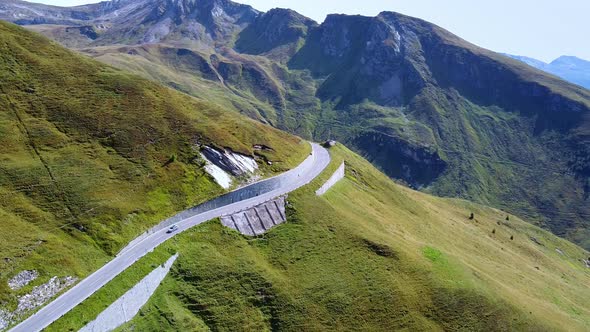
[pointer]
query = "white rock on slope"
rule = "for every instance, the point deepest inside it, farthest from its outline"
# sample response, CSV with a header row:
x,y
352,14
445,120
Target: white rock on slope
x,y
222,165
220,176
22,279
37,297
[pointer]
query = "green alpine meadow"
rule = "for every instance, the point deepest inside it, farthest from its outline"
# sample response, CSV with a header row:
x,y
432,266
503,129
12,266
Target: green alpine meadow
x,y
455,180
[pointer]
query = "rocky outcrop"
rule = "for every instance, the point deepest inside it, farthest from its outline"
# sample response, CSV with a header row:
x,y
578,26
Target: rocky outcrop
x,y
86,30
40,294
231,162
26,13
224,165
142,21
22,279
363,57
36,298
216,20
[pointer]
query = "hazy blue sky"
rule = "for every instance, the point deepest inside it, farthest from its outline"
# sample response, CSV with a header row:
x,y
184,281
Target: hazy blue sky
x,y
543,29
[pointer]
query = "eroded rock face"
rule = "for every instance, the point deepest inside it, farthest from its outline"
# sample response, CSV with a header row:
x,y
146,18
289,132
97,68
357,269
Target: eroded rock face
x,y
221,177
34,13
219,19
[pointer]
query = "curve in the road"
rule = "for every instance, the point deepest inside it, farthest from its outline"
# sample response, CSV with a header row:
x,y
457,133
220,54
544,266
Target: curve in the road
x,y
284,183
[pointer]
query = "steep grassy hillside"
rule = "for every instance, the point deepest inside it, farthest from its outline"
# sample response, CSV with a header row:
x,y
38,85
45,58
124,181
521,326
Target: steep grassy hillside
x,y
90,157
369,255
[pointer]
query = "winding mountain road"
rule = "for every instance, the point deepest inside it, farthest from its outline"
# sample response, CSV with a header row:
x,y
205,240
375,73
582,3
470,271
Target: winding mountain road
x,y
288,181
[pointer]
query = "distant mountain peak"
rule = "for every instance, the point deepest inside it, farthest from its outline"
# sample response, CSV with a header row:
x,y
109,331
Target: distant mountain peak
x,y
568,67
183,9
278,27
570,60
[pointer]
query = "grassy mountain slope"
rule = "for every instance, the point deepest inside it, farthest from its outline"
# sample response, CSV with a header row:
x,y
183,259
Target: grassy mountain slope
x,y
441,135
369,255
422,104
201,74
92,156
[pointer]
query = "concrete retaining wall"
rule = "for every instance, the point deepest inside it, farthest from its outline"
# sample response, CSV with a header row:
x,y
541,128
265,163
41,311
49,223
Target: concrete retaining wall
x,y
259,219
337,176
128,305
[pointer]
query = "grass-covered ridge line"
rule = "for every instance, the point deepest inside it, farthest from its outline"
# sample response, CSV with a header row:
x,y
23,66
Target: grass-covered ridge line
x,y
91,156
372,255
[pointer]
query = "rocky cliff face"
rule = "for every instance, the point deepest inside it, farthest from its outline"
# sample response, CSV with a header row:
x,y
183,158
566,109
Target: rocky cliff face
x,y
362,58
204,20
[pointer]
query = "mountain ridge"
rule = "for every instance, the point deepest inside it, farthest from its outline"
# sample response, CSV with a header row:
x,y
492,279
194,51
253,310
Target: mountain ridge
x,y
140,21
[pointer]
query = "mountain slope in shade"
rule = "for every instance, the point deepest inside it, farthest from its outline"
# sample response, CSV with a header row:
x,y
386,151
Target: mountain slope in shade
x,y
423,105
569,68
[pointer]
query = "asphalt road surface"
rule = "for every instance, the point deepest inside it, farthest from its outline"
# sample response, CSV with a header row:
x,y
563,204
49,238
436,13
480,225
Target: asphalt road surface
x,y
305,172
